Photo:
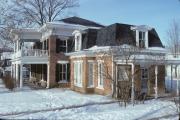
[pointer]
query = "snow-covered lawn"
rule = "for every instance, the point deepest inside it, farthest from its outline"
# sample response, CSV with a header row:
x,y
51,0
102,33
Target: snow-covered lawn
x,y
151,109
29,100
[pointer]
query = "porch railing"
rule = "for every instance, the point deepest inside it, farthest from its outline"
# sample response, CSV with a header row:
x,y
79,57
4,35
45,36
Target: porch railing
x,y
34,52
30,52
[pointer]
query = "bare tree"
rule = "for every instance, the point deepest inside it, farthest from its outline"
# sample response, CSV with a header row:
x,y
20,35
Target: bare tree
x,y
42,11
173,37
173,42
28,13
123,88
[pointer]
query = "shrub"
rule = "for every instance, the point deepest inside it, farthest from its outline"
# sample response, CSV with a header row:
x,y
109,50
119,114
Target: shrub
x,y
9,82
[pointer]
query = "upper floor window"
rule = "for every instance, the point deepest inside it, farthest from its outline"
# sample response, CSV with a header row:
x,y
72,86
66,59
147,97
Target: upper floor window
x,y
78,42
61,45
141,39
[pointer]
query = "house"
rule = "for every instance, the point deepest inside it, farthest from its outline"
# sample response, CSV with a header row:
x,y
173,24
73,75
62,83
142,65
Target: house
x,y
43,51
5,61
122,55
91,58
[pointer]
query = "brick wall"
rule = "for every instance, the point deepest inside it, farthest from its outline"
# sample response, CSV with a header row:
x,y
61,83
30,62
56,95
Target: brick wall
x,y
53,58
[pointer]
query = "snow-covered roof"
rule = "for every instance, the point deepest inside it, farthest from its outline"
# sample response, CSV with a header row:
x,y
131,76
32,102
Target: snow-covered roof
x,y
95,49
141,27
51,25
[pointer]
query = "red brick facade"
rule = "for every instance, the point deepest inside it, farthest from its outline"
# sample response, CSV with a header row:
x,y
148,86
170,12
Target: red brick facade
x,y
107,87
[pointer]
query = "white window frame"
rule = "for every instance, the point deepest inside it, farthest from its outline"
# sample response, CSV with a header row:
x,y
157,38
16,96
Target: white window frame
x,y
143,39
78,45
90,63
62,71
100,75
78,73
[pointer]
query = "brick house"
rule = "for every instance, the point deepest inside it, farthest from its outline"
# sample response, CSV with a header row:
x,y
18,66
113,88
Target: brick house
x,y
144,69
43,51
91,58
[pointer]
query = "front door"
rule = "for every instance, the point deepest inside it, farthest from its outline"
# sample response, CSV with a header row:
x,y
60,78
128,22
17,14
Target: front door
x,y
144,79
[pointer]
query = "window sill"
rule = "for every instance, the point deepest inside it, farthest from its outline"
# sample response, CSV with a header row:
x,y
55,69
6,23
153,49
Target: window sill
x,y
92,86
100,87
78,85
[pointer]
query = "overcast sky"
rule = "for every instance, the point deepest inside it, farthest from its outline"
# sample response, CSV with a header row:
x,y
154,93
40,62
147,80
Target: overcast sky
x,y
155,13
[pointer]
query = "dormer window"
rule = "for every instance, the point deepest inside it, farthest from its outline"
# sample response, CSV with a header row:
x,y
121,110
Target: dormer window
x,y
77,43
142,39
141,35
78,40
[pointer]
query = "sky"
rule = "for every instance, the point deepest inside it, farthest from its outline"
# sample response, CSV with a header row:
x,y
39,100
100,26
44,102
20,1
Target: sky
x,y
158,14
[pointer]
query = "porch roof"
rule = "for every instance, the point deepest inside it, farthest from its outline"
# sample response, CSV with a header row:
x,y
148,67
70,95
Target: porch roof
x,y
26,35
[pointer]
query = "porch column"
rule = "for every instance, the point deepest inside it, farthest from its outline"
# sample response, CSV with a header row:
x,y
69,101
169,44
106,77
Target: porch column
x,y
171,77
132,87
156,82
30,73
42,72
178,76
12,70
48,81
21,75
17,72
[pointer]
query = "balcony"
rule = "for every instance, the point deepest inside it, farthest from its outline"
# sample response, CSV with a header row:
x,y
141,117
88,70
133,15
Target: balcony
x,y
30,53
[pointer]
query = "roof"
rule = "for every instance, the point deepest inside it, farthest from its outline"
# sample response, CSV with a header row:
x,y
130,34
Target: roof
x,y
118,34
80,21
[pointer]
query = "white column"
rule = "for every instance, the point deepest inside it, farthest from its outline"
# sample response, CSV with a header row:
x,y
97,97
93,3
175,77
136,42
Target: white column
x,y
16,72
12,70
14,47
171,76
156,82
146,39
137,38
21,75
178,76
48,81
132,87
30,73
17,46
42,72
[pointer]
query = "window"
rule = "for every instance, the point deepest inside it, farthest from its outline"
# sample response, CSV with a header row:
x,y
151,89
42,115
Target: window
x,y
100,75
61,45
78,73
61,73
144,78
78,42
123,72
90,74
141,39
45,45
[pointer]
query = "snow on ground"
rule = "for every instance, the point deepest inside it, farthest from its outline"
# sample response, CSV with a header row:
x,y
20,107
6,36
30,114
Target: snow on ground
x,y
151,109
28,100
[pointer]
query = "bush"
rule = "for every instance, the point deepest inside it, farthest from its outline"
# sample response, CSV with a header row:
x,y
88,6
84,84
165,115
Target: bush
x,y
9,82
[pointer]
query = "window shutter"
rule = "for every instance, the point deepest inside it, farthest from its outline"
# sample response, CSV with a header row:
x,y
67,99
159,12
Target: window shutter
x,y
57,45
